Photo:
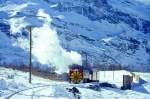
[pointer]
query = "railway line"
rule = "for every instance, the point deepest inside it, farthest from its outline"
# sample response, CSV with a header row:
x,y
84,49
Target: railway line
x,y
35,90
39,88
27,89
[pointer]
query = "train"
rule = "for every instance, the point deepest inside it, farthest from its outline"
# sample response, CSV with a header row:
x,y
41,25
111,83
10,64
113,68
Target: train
x,y
82,74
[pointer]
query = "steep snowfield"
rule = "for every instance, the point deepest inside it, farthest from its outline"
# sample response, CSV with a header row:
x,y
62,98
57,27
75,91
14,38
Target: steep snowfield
x,y
14,84
10,53
138,8
20,18
87,25
109,31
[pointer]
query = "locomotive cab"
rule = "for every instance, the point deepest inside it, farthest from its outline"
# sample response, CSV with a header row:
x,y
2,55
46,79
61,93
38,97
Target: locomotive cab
x,y
79,74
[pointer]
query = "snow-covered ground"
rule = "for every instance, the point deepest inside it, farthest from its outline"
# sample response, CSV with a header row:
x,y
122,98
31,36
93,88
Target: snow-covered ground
x,y
14,85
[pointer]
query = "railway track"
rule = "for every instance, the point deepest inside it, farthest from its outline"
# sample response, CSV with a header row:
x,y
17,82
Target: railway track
x,y
42,87
17,92
32,88
35,95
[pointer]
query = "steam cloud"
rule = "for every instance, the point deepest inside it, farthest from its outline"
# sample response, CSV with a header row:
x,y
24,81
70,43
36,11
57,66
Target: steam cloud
x,y
47,49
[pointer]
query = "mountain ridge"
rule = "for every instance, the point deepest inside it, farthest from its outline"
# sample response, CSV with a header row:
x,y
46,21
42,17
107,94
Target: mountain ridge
x,y
101,28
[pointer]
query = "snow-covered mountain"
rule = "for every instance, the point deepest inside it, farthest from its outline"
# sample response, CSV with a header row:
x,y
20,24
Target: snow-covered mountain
x,y
113,32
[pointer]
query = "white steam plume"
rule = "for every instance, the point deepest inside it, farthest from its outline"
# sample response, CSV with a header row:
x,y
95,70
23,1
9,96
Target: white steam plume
x,y
47,49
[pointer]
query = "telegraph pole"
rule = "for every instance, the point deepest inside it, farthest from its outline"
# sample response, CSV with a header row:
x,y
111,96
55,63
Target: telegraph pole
x,y
30,56
86,59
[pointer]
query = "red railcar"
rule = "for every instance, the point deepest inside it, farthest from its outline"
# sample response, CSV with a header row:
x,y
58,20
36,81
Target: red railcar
x,y
79,74
76,75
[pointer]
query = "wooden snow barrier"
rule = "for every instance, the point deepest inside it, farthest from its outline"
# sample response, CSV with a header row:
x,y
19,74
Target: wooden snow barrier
x,y
127,81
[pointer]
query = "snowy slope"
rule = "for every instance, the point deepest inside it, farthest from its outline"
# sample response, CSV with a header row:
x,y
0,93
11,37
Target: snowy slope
x,y
109,31
89,24
8,56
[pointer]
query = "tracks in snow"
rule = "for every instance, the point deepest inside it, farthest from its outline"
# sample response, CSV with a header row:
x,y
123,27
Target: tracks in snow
x,y
17,92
